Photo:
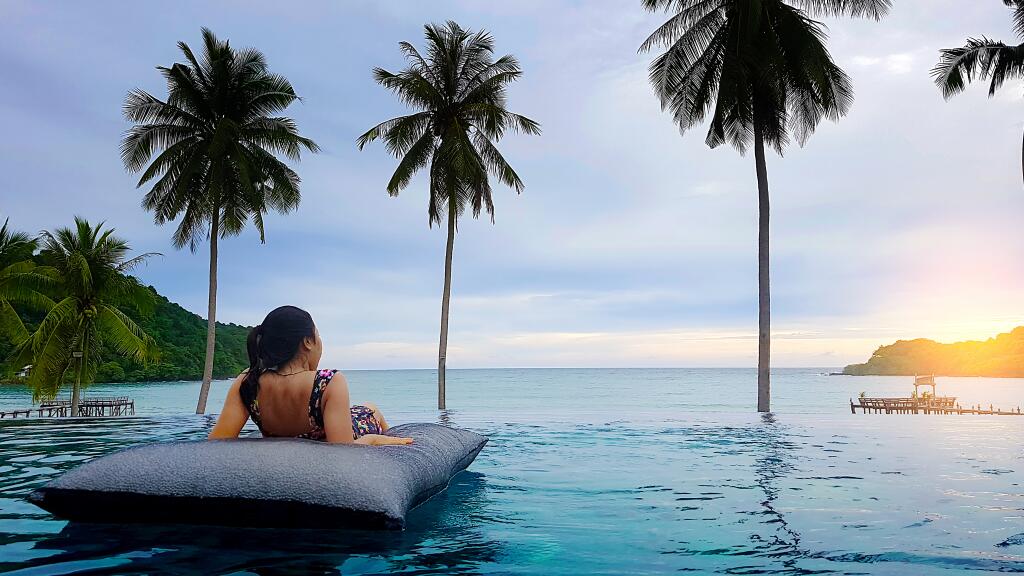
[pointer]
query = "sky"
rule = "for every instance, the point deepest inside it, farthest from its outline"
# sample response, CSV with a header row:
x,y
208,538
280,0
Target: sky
x,y
632,245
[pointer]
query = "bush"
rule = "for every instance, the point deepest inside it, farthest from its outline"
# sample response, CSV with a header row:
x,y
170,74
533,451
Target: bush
x,y
110,372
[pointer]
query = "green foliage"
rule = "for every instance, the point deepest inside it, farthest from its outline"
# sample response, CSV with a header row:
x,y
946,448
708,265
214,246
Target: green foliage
x,y
15,246
216,135
180,338
1002,356
110,372
90,267
21,283
180,347
459,92
177,336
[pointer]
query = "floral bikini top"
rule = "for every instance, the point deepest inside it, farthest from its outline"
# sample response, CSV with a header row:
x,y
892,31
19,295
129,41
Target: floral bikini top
x,y
363,419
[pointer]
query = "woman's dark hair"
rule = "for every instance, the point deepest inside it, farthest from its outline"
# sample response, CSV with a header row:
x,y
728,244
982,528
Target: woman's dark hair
x,y
273,343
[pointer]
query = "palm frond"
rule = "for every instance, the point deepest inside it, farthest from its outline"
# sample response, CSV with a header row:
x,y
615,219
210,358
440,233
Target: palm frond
x,y
11,325
739,64
416,157
456,88
210,146
124,335
979,58
874,9
15,246
26,283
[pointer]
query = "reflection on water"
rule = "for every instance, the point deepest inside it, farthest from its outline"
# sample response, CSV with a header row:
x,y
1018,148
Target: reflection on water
x,y
598,490
774,461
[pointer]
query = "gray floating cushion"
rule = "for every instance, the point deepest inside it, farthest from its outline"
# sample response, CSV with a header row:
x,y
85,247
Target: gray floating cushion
x,y
265,482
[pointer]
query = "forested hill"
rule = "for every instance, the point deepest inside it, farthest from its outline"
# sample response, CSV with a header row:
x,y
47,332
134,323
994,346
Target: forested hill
x,y
181,341
1002,356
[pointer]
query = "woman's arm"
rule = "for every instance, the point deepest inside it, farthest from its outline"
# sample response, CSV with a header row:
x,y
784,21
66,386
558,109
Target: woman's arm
x,y
338,418
382,440
233,415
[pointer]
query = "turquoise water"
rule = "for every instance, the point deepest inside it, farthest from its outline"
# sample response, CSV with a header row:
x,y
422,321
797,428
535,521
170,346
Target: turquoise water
x,y
592,472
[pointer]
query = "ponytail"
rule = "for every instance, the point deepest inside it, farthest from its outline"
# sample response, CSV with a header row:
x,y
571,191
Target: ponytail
x,y
251,384
272,344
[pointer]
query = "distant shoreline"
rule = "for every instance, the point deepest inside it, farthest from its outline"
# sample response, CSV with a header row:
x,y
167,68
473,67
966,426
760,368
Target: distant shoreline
x,y
911,375
999,357
817,370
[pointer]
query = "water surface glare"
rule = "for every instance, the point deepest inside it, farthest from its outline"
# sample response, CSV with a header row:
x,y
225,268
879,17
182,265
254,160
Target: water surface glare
x,y
590,472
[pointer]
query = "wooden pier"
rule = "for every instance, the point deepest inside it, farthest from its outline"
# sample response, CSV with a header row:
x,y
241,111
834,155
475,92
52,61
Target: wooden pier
x,y
924,403
119,406
923,406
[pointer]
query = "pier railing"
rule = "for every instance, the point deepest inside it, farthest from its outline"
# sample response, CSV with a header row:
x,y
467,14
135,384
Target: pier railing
x,y
60,408
930,405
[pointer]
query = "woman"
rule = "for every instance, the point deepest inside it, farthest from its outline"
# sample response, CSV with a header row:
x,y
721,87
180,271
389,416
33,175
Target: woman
x,y
285,393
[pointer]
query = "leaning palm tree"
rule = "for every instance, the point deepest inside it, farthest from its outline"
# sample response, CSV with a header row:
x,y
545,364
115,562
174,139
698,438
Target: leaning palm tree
x,y
217,167
762,73
21,281
458,91
983,59
91,266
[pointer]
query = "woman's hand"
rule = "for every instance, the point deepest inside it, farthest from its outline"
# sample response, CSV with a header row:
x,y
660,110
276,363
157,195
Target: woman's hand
x,y
382,440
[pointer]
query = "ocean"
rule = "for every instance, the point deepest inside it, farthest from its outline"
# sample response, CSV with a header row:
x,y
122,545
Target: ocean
x,y
591,471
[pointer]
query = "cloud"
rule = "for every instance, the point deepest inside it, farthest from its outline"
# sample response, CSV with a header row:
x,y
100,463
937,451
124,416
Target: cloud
x,y
902,63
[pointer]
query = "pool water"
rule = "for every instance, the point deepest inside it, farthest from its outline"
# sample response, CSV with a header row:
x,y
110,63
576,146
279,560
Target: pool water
x,y
591,472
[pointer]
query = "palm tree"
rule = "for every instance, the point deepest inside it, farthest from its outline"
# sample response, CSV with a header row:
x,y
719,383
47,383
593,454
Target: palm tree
x,y
458,91
21,281
761,71
217,167
983,59
91,264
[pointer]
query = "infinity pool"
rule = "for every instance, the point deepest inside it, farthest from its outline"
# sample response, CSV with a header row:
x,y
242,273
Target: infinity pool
x,y
598,490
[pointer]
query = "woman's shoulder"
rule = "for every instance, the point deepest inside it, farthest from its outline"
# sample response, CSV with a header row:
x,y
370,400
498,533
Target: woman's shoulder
x,y
329,374
334,377
237,382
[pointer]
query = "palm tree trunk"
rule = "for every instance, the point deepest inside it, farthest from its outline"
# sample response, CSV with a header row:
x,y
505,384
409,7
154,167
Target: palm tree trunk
x,y
443,348
764,333
211,317
76,392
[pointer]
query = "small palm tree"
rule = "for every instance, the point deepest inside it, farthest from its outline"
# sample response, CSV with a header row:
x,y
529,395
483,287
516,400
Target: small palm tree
x,y
21,281
90,265
218,135
761,71
458,90
983,59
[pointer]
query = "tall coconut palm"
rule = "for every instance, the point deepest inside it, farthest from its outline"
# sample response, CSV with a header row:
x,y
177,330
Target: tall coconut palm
x,y
21,281
218,135
458,91
983,59
762,73
91,266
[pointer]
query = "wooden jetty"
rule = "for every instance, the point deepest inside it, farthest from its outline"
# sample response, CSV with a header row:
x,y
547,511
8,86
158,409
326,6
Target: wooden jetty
x,y
924,404
113,406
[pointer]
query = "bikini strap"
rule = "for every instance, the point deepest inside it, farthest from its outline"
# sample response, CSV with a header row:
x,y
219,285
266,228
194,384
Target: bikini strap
x,y
316,397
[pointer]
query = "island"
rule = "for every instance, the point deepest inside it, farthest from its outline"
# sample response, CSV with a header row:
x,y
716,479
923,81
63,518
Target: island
x,y
999,357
